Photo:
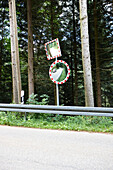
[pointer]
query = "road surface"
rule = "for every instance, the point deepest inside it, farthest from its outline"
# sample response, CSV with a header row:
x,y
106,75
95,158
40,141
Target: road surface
x,y
35,149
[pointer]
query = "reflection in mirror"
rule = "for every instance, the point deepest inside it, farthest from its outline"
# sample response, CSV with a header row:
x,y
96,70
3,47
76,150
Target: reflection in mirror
x,y
59,72
52,49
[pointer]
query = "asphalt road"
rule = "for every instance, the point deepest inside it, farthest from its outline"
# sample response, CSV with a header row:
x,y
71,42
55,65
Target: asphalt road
x,y
35,149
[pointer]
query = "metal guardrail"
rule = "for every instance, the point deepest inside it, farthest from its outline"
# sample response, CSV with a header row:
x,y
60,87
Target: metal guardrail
x,y
64,110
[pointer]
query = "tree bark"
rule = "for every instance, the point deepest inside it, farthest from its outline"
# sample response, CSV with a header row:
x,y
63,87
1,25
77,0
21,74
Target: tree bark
x,y
53,37
89,100
1,51
1,45
72,73
98,81
75,58
14,53
30,49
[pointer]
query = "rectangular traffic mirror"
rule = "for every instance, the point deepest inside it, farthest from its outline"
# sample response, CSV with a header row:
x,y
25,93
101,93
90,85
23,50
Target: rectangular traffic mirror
x,y
53,49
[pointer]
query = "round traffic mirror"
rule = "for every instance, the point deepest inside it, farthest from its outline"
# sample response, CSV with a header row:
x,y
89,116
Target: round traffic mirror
x,y
59,72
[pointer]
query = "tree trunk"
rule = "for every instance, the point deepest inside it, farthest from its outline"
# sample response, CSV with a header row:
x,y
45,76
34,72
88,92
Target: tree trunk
x,y
97,58
72,74
0,63
75,58
89,100
1,51
30,49
53,37
14,53
1,46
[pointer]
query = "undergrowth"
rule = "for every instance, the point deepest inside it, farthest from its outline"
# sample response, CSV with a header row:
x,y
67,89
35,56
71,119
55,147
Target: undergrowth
x,y
47,121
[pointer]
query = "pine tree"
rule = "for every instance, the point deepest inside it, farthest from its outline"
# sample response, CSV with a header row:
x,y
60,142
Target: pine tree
x,y
86,54
14,53
30,49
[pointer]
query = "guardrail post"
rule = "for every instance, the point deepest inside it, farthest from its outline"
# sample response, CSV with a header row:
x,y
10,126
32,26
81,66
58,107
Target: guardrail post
x,y
25,116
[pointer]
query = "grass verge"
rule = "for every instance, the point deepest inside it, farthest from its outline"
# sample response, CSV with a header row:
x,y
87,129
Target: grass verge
x,y
46,121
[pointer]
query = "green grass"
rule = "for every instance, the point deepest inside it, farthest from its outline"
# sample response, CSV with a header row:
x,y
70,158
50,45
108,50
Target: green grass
x,y
46,121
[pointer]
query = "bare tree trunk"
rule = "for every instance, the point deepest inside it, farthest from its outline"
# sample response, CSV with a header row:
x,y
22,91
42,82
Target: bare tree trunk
x,y
30,49
72,74
75,58
1,45
14,53
0,63
89,100
1,51
97,59
52,35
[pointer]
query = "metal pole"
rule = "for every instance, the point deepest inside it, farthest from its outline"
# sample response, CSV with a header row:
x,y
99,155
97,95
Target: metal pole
x,y
57,92
25,116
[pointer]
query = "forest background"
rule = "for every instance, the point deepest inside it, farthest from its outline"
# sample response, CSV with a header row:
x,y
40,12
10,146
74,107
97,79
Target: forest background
x,y
60,19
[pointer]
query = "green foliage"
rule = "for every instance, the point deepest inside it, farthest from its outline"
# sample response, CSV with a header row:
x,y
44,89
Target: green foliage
x,y
46,121
56,19
11,119
33,99
44,99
